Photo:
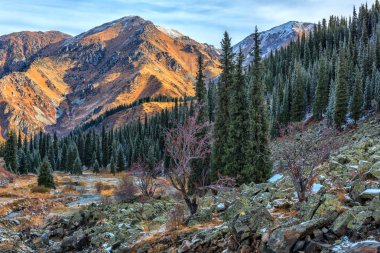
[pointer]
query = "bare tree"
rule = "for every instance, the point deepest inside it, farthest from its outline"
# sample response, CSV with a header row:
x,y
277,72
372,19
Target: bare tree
x,y
184,144
145,178
301,151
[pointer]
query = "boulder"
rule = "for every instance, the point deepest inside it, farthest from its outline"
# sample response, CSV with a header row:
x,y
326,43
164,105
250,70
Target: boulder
x,y
352,220
365,247
283,239
252,223
202,215
330,204
369,194
220,207
374,171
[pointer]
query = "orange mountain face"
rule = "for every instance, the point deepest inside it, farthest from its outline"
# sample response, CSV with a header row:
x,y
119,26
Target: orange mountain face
x,y
53,82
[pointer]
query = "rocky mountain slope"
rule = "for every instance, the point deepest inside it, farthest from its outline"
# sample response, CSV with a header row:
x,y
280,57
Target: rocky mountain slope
x,y
56,82
273,39
51,81
17,50
341,214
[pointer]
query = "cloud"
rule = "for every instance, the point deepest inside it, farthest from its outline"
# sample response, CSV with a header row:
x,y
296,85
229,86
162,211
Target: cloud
x,y
202,20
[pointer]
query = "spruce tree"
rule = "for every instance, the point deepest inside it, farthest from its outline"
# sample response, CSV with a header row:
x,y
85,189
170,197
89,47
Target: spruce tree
x,y
357,98
341,92
120,160
96,166
45,177
77,166
219,149
322,92
10,152
259,164
238,123
113,166
200,168
298,101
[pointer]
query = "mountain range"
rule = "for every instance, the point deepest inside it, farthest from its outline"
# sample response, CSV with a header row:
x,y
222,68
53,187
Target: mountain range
x,y
51,81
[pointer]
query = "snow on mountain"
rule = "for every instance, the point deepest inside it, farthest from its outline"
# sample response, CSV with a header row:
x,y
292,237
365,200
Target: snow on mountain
x,y
273,39
170,32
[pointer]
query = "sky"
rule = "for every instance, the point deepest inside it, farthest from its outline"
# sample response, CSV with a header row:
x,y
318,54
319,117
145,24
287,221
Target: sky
x,y
202,20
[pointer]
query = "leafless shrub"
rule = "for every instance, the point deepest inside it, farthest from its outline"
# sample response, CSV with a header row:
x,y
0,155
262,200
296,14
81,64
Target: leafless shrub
x,y
176,218
184,144
301,151
127,191
145,180
99,186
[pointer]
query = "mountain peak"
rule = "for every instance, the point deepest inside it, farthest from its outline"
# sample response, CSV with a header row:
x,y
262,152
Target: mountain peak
x,y
274,38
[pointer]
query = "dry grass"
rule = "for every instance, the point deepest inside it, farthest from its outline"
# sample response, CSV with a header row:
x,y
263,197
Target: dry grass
x,y
39,189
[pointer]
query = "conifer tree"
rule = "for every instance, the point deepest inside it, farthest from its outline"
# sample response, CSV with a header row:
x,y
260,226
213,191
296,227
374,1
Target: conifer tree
x,y
218,162
96,166
120,160
357,98
77,166
45,177
341,92
238,124
200,168
322,91
259,164
10,152
298,102
113,166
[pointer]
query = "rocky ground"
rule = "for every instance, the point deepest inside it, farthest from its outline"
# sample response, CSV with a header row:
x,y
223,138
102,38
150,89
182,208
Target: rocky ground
x,y
342,214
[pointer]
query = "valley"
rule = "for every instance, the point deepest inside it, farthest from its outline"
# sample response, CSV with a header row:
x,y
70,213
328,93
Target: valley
x,y
133,137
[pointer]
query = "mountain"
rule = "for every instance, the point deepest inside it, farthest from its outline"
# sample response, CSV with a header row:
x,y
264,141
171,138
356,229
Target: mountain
x,y
18,49
54,82
58,82
273,39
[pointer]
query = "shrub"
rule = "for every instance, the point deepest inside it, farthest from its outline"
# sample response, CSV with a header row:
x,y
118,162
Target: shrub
x,y
127,191
99,186
176,218
39,189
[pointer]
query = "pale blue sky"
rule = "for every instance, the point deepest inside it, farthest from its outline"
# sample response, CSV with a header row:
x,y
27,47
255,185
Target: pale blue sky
x,y
203,20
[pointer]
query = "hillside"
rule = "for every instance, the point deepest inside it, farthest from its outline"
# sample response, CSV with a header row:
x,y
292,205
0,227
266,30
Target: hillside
x,y
110,65
341,213
52,81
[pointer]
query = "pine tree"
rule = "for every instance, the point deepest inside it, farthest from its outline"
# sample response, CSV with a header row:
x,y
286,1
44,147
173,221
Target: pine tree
x,y
259,164
322,91
200,168
120,160
77,166
298,102
218,157
238,124
96,166
113,166
341,92
105,147
45,177
357,99
10,152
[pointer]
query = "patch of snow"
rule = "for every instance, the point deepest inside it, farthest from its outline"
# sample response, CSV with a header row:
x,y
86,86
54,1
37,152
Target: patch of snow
x,y
342,247
371,191
354,167
275,178
170,32
221,206
316,188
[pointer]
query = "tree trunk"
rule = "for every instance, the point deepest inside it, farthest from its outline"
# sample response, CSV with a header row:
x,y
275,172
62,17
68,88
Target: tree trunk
x,y
191,204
